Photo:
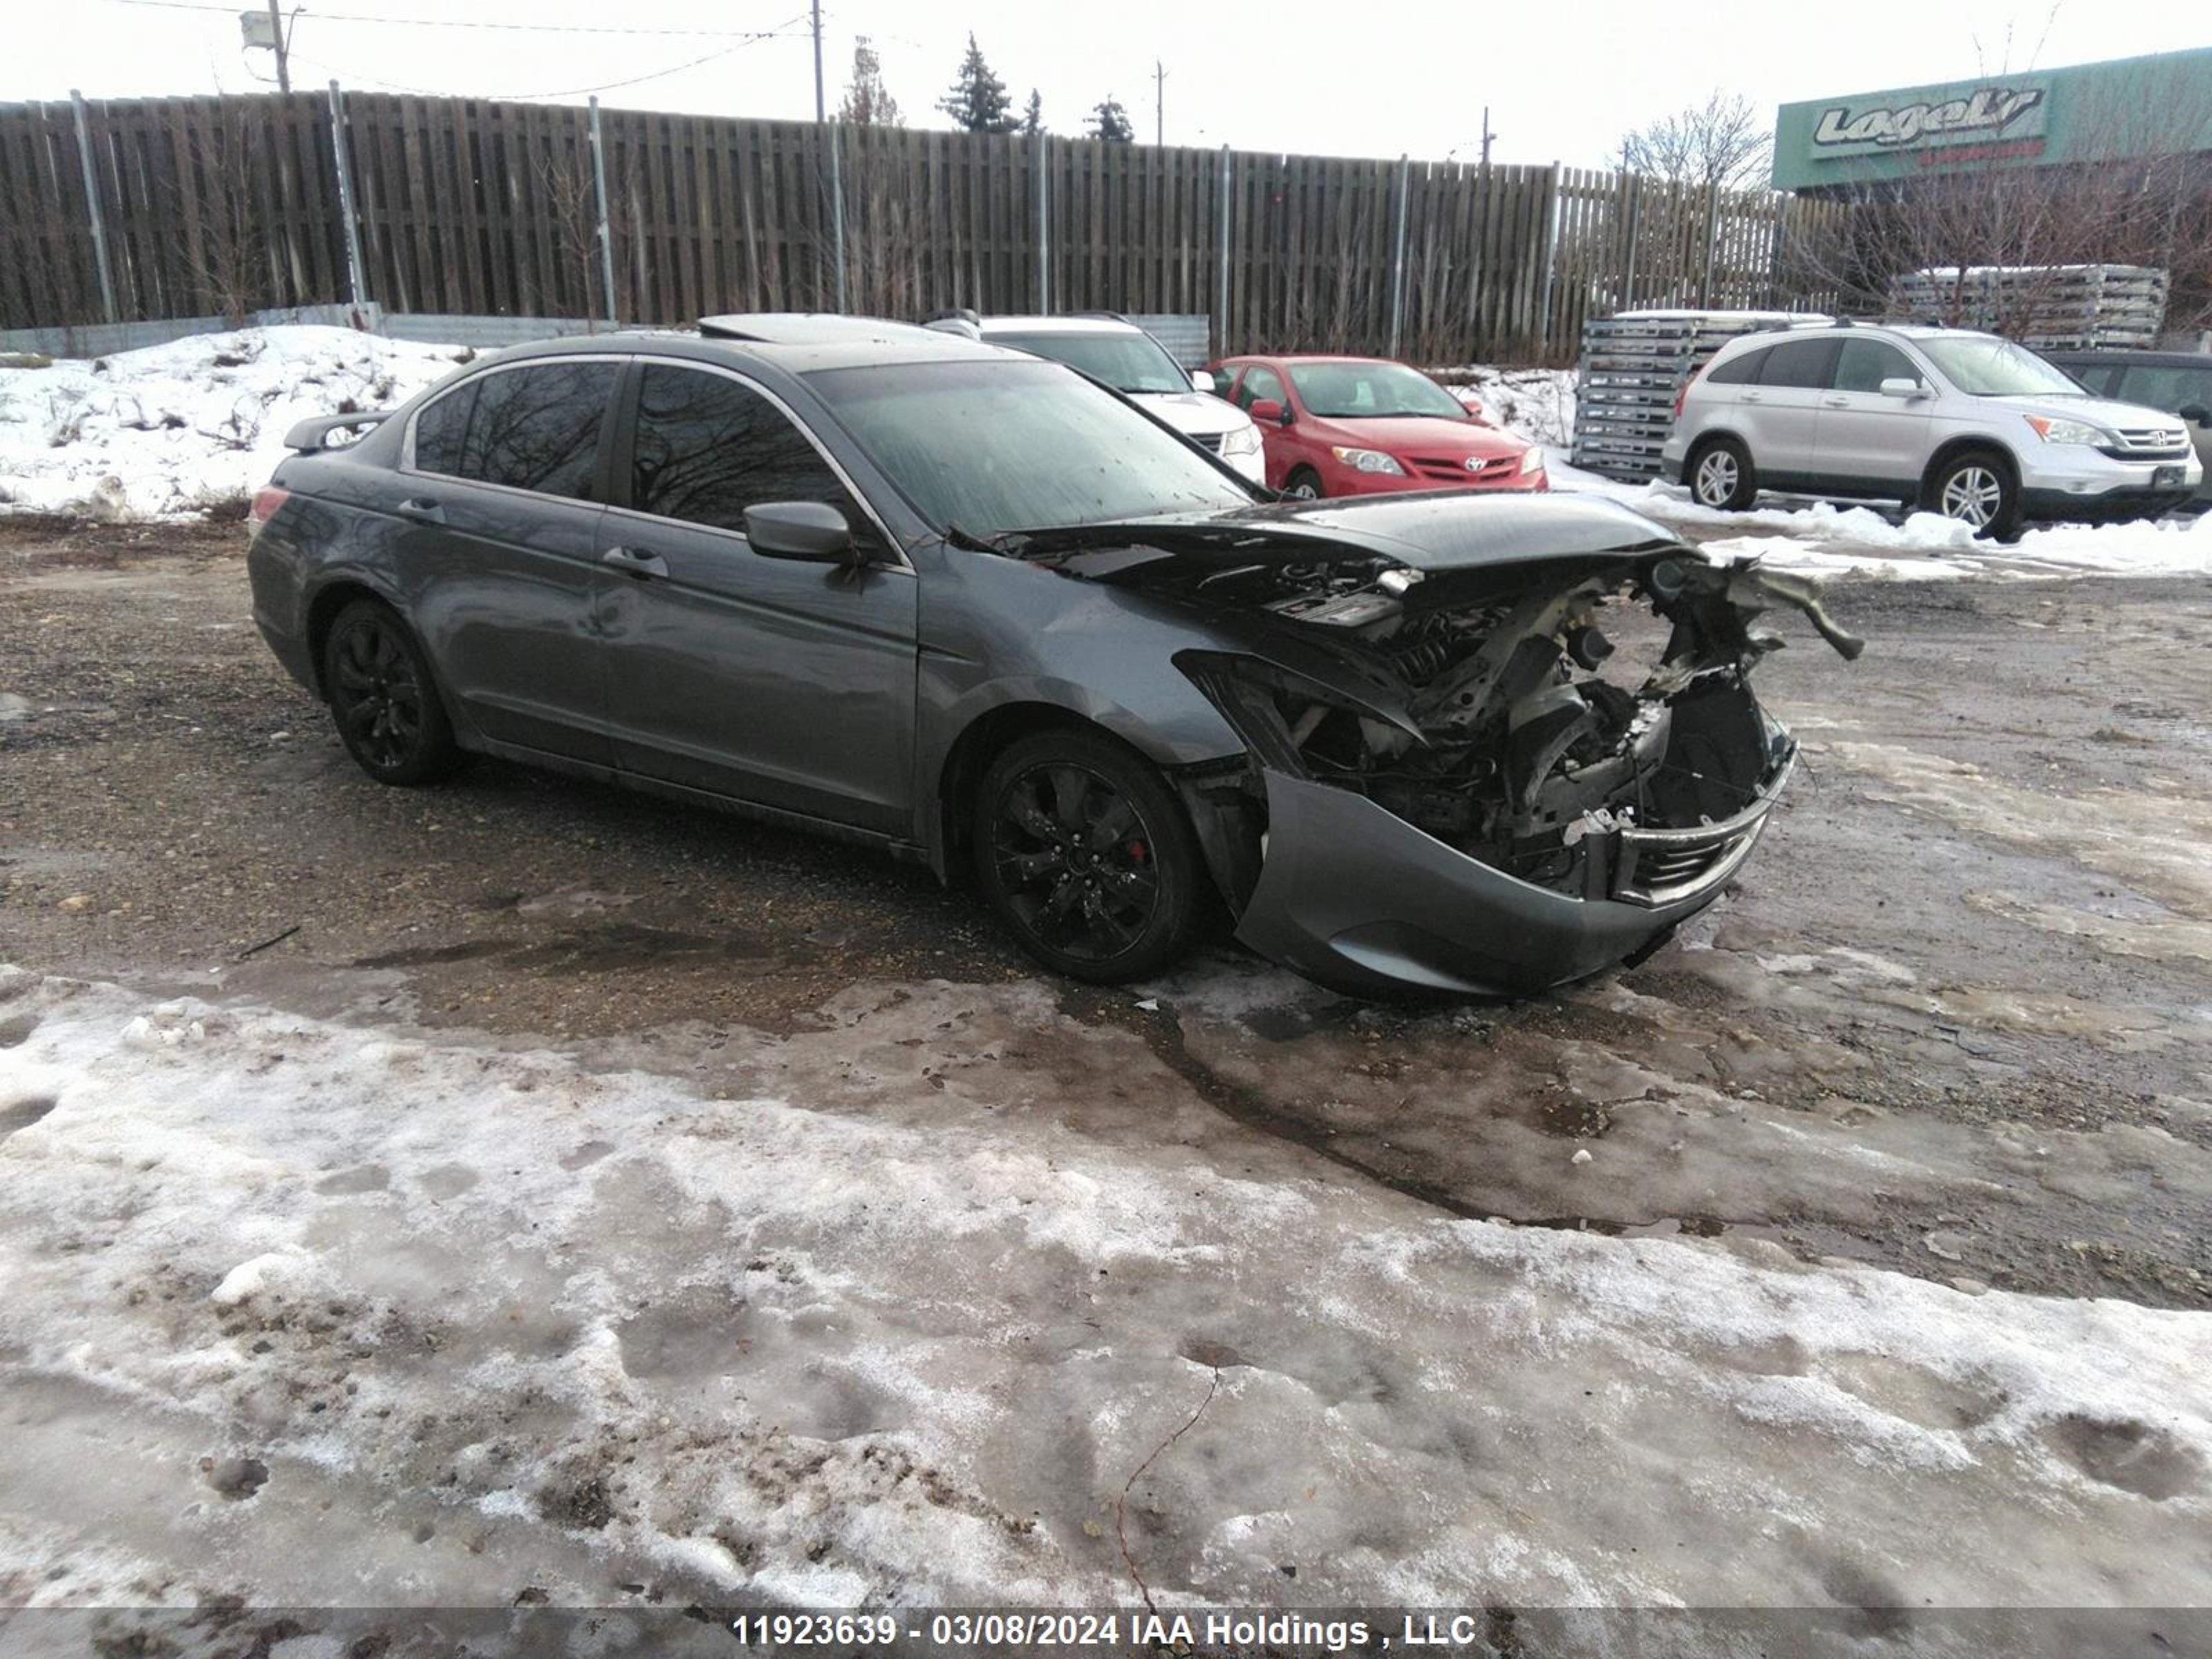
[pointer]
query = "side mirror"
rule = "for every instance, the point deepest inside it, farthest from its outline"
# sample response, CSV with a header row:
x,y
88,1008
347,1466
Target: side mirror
x,y
1898,386
2195,414
1265,410
1475,410
1201,380
812,532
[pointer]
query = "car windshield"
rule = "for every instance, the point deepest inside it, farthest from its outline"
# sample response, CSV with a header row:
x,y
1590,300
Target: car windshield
x,y
1134,362
1358,391
1007,444
1983,367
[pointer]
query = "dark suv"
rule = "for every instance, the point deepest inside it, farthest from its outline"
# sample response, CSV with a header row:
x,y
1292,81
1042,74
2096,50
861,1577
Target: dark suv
x,y
2178,382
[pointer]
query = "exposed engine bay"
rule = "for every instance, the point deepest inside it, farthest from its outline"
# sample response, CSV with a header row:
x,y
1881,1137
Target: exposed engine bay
x,y
1490,707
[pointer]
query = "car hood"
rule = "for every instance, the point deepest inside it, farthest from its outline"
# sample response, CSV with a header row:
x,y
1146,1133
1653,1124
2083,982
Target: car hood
x,y
1436,531
1199,413
1415,434
2102,411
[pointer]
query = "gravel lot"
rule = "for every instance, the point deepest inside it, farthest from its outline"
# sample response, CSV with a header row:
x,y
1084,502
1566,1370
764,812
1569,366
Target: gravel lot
x,y
1954,1020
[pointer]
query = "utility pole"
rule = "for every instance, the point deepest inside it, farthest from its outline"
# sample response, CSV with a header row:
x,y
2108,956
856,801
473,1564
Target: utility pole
x,y
1160,102
836,171
283,48
1487,135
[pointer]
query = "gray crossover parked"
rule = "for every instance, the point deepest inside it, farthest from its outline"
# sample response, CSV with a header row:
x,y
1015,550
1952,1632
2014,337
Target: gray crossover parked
x,y
1953,421
976,609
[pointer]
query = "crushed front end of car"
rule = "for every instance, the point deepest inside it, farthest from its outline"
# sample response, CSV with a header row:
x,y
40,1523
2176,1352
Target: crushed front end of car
x,y
1452,781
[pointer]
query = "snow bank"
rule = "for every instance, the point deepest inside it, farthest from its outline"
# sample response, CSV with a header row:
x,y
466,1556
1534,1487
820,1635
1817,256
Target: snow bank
x,y
1535,404
900,1325
170,430
1821,538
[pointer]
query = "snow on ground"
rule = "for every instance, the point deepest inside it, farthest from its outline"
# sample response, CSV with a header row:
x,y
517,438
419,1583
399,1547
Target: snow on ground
x,y
1820,538
1535,404
328,1314
169,430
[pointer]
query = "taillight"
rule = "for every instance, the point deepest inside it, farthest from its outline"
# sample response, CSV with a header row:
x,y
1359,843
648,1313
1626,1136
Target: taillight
x,y
266,501
1684,394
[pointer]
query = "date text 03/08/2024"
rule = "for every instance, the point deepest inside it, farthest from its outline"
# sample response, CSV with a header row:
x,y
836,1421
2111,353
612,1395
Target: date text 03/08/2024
x,y
1215,1630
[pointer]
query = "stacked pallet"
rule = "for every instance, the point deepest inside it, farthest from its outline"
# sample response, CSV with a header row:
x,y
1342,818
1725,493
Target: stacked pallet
x,y
2045,307
1632,366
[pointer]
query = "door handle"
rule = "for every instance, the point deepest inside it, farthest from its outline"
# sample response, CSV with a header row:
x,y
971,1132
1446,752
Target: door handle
x,y
640,565
1837,403
423,509
1750,397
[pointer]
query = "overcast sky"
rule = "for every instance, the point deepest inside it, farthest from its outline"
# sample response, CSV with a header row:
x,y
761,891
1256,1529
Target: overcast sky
x,y
1562,80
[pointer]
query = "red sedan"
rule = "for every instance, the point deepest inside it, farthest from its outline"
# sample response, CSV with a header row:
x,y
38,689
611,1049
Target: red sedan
x,y
1364,426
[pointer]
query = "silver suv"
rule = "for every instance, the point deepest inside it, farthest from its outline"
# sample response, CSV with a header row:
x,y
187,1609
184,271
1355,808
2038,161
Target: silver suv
x,y
1956,422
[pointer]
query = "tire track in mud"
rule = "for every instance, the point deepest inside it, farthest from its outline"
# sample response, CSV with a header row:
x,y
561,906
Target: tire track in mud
x,y
1162,1032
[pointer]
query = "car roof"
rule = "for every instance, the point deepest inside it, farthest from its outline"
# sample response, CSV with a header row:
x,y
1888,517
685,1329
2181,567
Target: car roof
x,y
1040,325
1829,330
796,342
1309,357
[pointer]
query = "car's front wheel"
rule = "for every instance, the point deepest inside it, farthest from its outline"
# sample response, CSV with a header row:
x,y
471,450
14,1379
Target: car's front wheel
x,y
1083,852
382,698
1303,485
1976,488
1721,477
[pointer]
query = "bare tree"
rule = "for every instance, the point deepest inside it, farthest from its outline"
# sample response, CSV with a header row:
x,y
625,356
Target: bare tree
x,y
2131,195
1724,144
572,203
229,259
883,268
868,101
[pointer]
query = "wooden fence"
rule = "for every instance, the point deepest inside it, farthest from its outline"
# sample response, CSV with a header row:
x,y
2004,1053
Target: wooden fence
x,y
226,205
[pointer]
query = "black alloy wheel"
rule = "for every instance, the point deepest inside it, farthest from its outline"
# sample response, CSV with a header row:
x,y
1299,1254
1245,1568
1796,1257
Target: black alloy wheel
x,y
381,696
1086,855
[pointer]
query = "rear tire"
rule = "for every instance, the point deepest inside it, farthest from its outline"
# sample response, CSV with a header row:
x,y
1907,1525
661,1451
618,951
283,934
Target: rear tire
x,y
1083,852
1303,484
1976,488
1721,475
381,694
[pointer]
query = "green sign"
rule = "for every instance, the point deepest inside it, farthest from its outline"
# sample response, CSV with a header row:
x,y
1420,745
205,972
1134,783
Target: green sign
x,y
2129,108
1980,114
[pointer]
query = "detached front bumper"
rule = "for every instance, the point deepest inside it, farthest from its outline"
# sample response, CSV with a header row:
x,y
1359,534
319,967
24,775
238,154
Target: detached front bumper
x,y
1358,899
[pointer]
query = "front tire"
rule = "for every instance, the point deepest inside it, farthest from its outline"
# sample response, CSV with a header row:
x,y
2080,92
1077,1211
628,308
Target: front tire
x,y
1083,852
1303,485
381,694
1721,475
1977,488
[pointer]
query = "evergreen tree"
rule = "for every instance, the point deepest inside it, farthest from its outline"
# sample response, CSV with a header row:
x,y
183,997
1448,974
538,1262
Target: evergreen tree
x,y
977,101
1110,122
1033,117
868,102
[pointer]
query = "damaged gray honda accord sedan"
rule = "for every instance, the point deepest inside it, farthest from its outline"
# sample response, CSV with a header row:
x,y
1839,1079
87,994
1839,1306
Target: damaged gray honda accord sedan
x,y
974,609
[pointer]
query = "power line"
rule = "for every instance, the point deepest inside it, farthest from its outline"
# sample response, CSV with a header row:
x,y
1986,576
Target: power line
x,y
455,22
783,32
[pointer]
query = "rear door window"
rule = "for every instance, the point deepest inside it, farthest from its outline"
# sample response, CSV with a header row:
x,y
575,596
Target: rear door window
x,y
537,428
1737,371
708,447
443,426
1798,363
1863,365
